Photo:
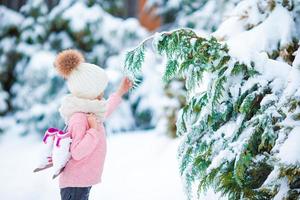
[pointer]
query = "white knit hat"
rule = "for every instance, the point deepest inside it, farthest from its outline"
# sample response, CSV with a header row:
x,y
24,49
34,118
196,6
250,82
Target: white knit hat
x,y
84,80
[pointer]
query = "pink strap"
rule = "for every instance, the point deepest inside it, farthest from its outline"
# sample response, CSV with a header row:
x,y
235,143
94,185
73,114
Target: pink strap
x,y
61,135
50,132
57,142
54,132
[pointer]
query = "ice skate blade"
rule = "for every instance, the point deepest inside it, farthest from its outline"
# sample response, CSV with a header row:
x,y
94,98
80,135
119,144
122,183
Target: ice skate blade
x,y
43,168
56,175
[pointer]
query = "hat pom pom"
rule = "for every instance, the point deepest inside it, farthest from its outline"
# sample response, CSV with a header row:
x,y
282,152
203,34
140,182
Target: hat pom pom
x,y
67,60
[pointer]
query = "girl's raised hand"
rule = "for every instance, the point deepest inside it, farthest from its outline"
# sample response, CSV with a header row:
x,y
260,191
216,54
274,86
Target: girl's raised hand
x,y
125,85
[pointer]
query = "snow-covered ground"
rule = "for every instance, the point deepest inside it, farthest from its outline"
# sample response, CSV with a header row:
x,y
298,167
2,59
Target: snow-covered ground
x,y
139,166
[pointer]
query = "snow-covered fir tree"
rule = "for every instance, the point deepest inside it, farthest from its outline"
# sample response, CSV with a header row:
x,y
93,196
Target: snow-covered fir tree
x,y
175,95
241,122
203,15
9,34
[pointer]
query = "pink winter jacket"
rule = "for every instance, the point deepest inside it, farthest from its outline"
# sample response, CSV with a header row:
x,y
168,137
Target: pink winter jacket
x,y
88,149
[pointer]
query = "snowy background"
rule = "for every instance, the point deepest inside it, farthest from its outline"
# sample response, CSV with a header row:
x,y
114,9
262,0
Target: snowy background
x,y
139,165
142,161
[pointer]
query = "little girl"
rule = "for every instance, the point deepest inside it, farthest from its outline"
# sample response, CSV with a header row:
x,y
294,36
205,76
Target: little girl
x,y
84,111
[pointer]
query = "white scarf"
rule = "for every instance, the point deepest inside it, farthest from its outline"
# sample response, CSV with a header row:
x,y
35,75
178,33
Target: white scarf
x,y
71,104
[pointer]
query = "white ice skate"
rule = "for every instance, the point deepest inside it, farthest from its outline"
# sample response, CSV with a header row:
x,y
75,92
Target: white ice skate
x,y
61,152
46,153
